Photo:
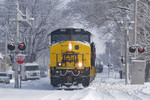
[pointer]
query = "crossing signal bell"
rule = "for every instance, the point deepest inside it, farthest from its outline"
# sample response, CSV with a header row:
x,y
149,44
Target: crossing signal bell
x,y
11,46
21,46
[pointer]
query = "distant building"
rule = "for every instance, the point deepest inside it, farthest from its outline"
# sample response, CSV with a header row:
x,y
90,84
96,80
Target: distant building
x,y
1,57
147,71
1,62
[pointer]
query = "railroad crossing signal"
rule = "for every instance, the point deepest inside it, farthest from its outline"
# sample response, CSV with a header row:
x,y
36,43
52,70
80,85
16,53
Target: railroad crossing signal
x,y
132,49
21,46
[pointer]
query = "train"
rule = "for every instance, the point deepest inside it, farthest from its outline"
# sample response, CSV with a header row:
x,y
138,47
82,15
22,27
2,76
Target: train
x,y
72,57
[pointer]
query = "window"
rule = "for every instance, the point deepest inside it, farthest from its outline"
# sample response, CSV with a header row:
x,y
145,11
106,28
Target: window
x,y
28,68
59,38
3,74
70,36
80,37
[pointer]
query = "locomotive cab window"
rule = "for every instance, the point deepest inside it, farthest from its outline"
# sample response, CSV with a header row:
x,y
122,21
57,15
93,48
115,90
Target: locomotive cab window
x,y
80,37
57,37
60,37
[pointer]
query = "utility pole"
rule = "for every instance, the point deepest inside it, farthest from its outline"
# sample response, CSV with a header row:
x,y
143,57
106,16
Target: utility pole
x,y
126,55
16,41
109,63
26,22
126,25
135,24
6,39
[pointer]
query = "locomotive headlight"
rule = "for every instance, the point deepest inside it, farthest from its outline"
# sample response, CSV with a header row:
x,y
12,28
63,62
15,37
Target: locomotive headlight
x,y
59,64
80,64
70,46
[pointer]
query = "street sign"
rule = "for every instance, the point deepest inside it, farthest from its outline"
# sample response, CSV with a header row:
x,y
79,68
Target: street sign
x,y
20,58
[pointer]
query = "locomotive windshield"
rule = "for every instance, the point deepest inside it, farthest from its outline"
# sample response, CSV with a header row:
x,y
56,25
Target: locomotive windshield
x,y
60,37
80,37
68,36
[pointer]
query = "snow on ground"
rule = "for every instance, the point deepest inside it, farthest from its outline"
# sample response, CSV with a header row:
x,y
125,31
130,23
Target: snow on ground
x,y
102,88
115,89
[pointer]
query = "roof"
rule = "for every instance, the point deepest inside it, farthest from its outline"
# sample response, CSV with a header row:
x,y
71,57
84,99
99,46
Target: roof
x,y
31,64
3,73
70,31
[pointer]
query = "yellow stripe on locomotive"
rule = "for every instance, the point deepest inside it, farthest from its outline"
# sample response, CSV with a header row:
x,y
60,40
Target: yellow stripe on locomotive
x,y
71,58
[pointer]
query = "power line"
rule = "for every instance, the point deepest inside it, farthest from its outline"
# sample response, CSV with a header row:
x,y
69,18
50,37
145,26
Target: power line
x,y
22,4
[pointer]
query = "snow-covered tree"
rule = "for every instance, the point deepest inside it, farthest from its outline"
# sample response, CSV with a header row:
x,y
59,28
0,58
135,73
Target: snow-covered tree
x,y
48,15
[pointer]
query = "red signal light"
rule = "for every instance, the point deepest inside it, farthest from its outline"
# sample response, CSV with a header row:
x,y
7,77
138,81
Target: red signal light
x,y
140,49
75,70
11,46
21,46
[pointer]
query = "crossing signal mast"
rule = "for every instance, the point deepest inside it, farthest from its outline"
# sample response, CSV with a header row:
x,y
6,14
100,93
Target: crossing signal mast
x,y
24,19
20,58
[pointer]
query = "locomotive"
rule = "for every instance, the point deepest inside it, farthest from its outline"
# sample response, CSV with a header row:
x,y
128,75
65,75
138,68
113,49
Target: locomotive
x,y
72,57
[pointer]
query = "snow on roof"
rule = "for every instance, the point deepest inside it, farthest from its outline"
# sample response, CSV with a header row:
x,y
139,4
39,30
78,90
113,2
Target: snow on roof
x,y
1,57
81,42
139,61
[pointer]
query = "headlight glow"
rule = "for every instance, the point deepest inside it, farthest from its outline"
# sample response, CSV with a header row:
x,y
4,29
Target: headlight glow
x,y
70,46
59,63
80,64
